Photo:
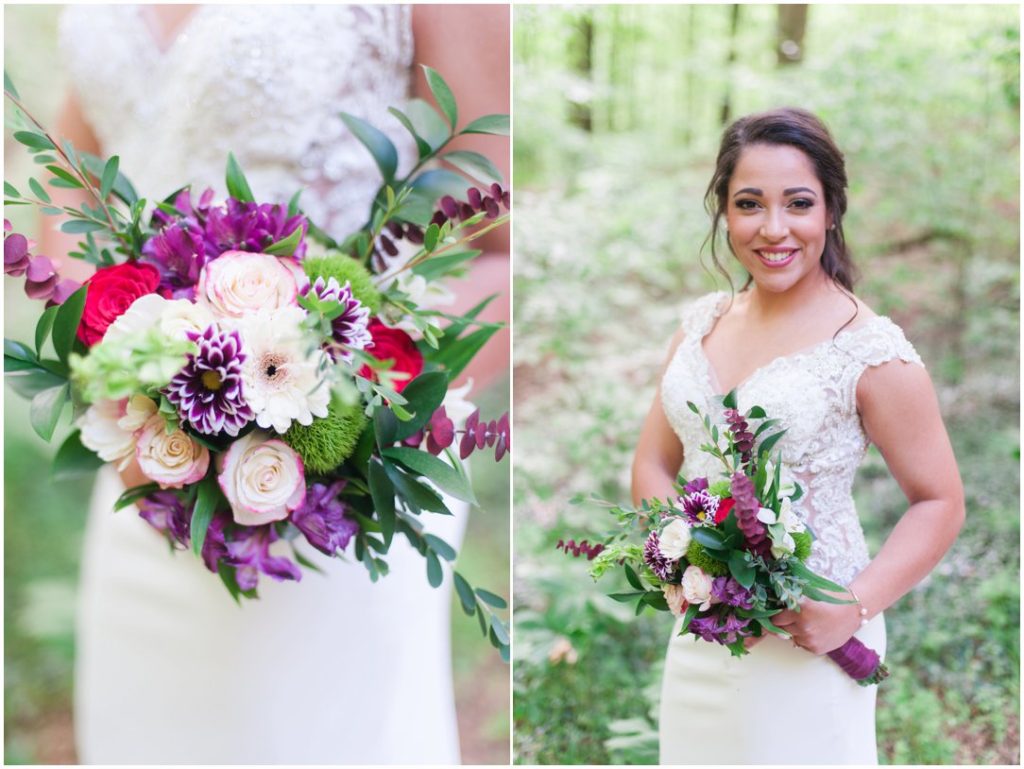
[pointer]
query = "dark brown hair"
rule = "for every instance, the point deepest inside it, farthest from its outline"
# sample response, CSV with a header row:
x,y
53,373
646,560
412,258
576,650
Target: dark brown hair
x,y
795,128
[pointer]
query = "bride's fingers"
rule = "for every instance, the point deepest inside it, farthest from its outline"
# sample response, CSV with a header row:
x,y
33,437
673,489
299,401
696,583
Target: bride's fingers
x,y
785,618
751,641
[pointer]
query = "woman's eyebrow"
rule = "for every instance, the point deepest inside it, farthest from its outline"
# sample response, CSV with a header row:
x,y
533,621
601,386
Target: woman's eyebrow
x,y
789,191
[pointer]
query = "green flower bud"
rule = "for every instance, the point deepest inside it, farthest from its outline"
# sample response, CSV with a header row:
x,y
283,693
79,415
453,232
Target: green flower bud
x,y
803,541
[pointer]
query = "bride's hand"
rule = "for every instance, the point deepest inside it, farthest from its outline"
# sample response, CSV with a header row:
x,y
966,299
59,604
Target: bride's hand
x,y
132,476
819,627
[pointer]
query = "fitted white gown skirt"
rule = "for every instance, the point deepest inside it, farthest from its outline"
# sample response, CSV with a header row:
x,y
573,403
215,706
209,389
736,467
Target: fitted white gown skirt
x,y
333,669
777,705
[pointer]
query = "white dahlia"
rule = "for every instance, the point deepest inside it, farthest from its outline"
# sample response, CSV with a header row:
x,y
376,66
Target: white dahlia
x,y
283,369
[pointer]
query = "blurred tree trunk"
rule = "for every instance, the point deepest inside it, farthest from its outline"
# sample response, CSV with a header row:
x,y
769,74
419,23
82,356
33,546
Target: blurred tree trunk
x,y
580,112
789,39
689,116
725,114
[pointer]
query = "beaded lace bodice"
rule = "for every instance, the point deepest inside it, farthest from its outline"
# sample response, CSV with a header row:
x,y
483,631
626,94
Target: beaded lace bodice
x,y
814,394
265,82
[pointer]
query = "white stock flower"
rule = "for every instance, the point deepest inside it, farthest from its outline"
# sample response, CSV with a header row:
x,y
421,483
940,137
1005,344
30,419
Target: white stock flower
x,y
282,370
674,539
786,516
237,283
102,433
262,479
787,485
172,459
675,598
696,587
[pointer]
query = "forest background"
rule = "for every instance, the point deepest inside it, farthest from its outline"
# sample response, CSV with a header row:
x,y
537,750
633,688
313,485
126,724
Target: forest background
x,y
617,115
44,521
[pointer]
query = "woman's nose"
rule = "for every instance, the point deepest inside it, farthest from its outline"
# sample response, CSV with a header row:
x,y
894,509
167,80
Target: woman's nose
x,y
773,227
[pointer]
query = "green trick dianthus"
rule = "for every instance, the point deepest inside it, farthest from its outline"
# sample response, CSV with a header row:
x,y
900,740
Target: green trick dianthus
x,y
327,442
698,556
344,268
803,541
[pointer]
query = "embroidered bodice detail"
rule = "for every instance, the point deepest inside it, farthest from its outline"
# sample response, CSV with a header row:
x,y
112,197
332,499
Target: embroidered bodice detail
x,y
245,79
814,394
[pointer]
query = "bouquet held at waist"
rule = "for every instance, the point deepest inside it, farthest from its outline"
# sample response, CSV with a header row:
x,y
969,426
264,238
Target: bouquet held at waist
x,y
274,384
729,552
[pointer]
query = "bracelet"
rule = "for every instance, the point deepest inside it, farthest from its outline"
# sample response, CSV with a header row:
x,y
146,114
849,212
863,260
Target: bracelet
x,y
862,611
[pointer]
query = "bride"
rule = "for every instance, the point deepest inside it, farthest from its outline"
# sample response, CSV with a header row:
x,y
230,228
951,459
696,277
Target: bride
x,y
799,343
334,669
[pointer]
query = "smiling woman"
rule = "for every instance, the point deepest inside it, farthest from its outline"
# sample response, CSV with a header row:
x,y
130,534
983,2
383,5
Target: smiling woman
x,y
836,383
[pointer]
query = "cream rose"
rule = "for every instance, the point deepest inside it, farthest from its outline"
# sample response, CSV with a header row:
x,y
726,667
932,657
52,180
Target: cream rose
x,y
136,412
101,431
675,598
696,587
674,539
238,282
171,459
262,478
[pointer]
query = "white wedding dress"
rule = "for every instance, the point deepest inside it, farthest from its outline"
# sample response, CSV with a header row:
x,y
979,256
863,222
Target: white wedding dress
x,y
333,669
780,704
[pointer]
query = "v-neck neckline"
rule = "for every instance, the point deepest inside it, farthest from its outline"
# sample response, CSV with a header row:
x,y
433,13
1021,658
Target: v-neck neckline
x,y
164,47
711,376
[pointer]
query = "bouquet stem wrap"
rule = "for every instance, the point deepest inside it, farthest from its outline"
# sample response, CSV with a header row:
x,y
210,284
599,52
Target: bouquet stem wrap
x,y
859,662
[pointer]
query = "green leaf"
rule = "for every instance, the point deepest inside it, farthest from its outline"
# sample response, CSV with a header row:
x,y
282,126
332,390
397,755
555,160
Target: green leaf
x,y
33,140
430,237
740,569
46,408
71,180
456,355
491,599
18,351
691,612
815,580
108,177
424,395
709,538
29,382
437,267
422,146
445,476
73,459
656,600
11,191
293,204
81,226
43,327
440,547
465,592
383,494
206,504
415,495
238,186
633,579
306,563
227,576
134,493
499,629
383,151
626,597
770,627
442,94
385,426
474,164
729,401
285,246
435,575
40,193
768,443
65,324
9,86
497,125
757,413
428,123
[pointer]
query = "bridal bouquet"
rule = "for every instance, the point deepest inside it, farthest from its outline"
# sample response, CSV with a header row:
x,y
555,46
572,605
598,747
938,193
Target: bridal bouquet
x,y
273,384
729,552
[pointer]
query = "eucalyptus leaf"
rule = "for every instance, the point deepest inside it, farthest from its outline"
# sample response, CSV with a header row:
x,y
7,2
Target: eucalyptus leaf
x,y
11,191
9,86
428,123
40,193
490,598
72,180
81,226
465,591
108,177
435,575
474,164
499,629
33,140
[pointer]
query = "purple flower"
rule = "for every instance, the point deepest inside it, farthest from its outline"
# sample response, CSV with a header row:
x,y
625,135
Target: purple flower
x,y
239,226
215,546
725,633
350,329
165,512
179,253
41,278
746,509
730,592
697,484
660,565
208,390
322,518
249,553
700,507
705,627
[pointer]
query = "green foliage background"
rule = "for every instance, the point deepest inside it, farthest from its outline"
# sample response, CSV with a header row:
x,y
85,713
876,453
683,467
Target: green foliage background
x,y
44,522
617,117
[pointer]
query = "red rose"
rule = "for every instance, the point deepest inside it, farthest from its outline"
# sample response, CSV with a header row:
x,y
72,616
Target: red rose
x,y
723,509
111,291
394,344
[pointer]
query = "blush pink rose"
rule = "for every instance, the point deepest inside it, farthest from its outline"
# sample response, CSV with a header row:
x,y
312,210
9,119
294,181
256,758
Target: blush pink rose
x,y
171,459
263,479
239,282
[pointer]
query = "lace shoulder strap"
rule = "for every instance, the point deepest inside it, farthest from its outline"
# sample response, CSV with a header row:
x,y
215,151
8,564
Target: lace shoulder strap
x,y
878,341
698,315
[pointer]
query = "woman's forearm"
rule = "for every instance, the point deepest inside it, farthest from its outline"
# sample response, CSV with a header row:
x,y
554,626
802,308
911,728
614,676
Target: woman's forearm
x,y
917,543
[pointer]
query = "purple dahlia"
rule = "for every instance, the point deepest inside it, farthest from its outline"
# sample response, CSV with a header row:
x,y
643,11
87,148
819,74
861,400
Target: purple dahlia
x,y
700,507
659,564
323,520
208,390
350,329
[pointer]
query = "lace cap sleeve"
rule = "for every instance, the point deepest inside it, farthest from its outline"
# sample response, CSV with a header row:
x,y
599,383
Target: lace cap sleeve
x,y
697,316
878,342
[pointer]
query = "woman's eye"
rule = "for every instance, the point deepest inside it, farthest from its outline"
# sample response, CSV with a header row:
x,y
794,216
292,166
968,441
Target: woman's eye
x,y
802,203
746,205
